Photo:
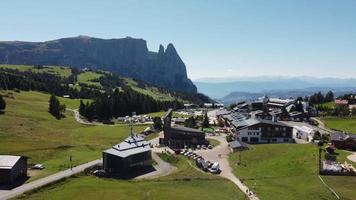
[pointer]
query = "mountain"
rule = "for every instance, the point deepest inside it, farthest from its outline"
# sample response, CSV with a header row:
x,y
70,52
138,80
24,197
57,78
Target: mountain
x,y
217,88
234,97
127,56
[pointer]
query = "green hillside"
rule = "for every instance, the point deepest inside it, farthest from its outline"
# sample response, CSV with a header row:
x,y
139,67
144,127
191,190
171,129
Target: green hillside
x,y
26,128
92,78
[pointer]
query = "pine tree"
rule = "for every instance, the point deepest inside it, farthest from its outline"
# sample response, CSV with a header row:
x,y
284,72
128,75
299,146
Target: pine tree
x,y
2,103
205,121
55,108
82,108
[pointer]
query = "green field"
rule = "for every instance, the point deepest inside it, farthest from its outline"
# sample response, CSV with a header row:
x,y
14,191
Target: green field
x,y
28,129
330,105
342,124
61,71
88,77
154,92
288,171
280,170
185,183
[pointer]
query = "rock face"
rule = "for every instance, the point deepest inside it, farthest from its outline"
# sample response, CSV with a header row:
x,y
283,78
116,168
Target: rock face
x,y
128,57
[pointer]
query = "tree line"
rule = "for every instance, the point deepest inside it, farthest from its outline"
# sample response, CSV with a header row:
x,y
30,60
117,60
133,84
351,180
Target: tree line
x,y
122,103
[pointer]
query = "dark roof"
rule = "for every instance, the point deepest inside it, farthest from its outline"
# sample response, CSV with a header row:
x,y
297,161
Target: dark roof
x,y
187,129
237,144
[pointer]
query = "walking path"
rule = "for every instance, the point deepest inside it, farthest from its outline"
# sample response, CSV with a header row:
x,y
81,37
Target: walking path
x,y
7,194
223,150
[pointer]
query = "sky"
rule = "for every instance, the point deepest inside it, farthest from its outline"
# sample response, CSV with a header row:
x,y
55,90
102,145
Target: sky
x,y
214,38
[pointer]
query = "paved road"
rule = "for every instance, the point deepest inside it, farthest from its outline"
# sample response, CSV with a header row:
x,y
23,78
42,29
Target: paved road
x,y
162,169
7,194
213,156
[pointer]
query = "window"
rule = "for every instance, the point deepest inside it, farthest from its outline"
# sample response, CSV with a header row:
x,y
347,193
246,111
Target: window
x,y
244,139
274,140
277,128
284,128
286,140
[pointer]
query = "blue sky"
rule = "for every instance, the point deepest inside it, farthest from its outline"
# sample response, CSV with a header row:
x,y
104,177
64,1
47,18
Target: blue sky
x,y
214,38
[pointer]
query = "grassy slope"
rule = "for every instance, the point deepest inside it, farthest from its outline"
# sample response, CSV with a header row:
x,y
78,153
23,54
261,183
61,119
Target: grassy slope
x,y
62,71
149,90
185,183
282,171
87,78
343,124
28,129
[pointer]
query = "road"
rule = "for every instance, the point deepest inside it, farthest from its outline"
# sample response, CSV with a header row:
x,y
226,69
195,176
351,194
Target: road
x,y
162,169
81,121
213,156
7,194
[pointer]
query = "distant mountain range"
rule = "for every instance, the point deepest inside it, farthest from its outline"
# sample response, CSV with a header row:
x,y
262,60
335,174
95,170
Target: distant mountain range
x,y
246,88
127,56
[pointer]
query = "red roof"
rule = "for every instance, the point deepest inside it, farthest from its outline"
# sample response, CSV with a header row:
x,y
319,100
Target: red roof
x,y
341,102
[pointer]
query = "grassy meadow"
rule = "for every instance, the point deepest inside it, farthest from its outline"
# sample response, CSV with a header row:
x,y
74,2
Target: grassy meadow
x,y
26,128
288,171
280,171
343,124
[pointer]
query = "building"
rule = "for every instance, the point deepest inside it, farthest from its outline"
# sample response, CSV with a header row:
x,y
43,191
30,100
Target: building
x,y
341,102
254,130
238,146
133,152
304,133
343,141
279,103
12,168
180,136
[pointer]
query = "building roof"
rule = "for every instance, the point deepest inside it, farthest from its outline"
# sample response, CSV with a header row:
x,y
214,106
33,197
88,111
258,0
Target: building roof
x,y
222,112
8,161
339,136
237,144
130,146
253,121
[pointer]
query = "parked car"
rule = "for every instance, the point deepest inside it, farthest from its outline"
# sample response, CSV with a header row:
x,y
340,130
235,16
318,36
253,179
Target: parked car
x,y
210,146
38,166
99,173
177,151
198,162
215,168
205,165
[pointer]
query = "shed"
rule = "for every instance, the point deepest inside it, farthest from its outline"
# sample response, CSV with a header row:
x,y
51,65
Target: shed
x,y
12,168
238,146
